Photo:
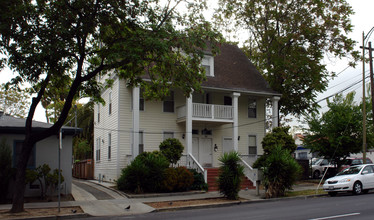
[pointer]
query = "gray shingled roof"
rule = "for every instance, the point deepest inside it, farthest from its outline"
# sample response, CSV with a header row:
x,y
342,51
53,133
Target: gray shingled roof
x,y
13,125
234,71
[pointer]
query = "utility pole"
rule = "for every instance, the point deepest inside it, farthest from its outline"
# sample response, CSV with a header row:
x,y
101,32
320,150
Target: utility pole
x,y
371,77
363,101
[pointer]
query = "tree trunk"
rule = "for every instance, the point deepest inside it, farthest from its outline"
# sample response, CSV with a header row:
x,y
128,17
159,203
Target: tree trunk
x,y
19,186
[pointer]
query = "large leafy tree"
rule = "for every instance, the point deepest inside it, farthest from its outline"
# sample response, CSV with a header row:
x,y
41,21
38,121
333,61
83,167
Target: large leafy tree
x,y
14,101
338,132
51,39
288,40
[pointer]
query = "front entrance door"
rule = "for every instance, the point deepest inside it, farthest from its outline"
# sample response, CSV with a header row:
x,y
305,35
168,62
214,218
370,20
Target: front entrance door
x,y
227,145
205,152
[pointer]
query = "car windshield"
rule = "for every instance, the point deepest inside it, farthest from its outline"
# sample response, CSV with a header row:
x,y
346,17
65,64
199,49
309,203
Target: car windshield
x,y
350,170
315,162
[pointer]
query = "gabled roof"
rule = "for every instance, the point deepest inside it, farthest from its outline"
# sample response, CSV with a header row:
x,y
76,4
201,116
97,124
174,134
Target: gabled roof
x,y
234,71
13,125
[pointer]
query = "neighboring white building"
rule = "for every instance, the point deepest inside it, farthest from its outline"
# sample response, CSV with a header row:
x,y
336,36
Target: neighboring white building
x,y
45,152
228,115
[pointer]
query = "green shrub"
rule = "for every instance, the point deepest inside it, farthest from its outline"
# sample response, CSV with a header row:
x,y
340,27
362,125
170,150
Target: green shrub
x,y
170,180
280,172
133,177
184,179
172,149
199,182
144,174
47,181
231,175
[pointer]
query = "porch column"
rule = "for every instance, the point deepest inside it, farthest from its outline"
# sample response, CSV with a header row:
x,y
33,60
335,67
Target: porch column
x,y
135,121
189,124
275,116
235,97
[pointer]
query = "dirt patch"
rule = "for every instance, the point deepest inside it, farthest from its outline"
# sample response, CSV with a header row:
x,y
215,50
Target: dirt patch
x,y
189,203
40,212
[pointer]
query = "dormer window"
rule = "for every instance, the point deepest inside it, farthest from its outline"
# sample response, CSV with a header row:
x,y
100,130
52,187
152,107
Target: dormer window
x,y
208,63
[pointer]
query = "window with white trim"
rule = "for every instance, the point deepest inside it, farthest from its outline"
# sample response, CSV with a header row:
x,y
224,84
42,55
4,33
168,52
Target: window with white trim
x,y
168,135
208,63
98,143
141,100
168,103
98,113
252,146
141,142
252,108
110,103
109,146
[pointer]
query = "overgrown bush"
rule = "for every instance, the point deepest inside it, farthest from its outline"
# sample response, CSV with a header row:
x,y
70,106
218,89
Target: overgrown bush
x,y
6,170
277,137
144,174
231,175
170,180
280,172
199,182
184,179
172,149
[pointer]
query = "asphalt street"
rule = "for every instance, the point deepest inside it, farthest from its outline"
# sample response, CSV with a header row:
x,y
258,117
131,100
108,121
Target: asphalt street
x,y
344,206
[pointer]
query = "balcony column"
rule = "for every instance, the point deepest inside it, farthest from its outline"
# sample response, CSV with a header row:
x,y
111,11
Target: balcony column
x,y
275,115
235,97
135,121
189,124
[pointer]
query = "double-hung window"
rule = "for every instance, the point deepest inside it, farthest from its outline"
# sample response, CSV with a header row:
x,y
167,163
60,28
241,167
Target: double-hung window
x,y
109,146
168,103
252,108
252,146
98,148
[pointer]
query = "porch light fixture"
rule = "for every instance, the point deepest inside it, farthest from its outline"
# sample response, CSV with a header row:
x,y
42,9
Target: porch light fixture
x,y
238,138
215,148
183,135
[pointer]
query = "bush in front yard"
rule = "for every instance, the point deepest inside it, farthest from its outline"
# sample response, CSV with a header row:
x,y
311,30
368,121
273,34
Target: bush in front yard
x,y
184,179
170,180
144,174
231,175
280,172
172,149
199,182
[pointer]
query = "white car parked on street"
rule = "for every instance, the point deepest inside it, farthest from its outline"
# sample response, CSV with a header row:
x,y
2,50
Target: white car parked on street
x,y
356,179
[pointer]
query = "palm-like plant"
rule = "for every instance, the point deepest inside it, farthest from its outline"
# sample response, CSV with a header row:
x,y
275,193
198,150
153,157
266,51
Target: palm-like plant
x,y
231,175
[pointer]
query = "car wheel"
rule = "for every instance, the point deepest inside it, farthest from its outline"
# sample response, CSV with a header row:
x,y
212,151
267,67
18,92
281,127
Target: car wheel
x,y
316,174
357,188
332,194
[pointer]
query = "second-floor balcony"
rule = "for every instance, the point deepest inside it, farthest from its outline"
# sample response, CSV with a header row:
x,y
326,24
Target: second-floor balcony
x,y
207,112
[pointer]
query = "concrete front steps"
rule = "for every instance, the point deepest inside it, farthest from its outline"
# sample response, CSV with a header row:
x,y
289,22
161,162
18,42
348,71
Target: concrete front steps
x,y
212,180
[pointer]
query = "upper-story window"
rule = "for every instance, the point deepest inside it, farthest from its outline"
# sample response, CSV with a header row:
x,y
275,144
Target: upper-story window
x,y
110,103
169,102
109,146
141,100
252,108
208,63
227,100
98,113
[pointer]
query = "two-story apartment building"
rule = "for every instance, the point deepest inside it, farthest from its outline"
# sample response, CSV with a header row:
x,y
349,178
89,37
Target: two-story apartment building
x,y
228,115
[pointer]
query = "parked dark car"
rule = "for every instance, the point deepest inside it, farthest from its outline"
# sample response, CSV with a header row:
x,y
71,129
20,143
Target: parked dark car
x,y
353,161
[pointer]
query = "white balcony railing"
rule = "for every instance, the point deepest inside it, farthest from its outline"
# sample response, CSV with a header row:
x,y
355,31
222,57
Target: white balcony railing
x,y
207,111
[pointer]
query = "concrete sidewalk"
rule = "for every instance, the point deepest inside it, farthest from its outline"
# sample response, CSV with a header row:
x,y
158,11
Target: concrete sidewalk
x,y
107,201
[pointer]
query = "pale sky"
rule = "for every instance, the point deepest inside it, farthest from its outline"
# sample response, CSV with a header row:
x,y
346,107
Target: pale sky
x,y
362,22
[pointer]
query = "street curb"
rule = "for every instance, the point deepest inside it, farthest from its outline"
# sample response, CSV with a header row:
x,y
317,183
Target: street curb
x,y
238,203
67,216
